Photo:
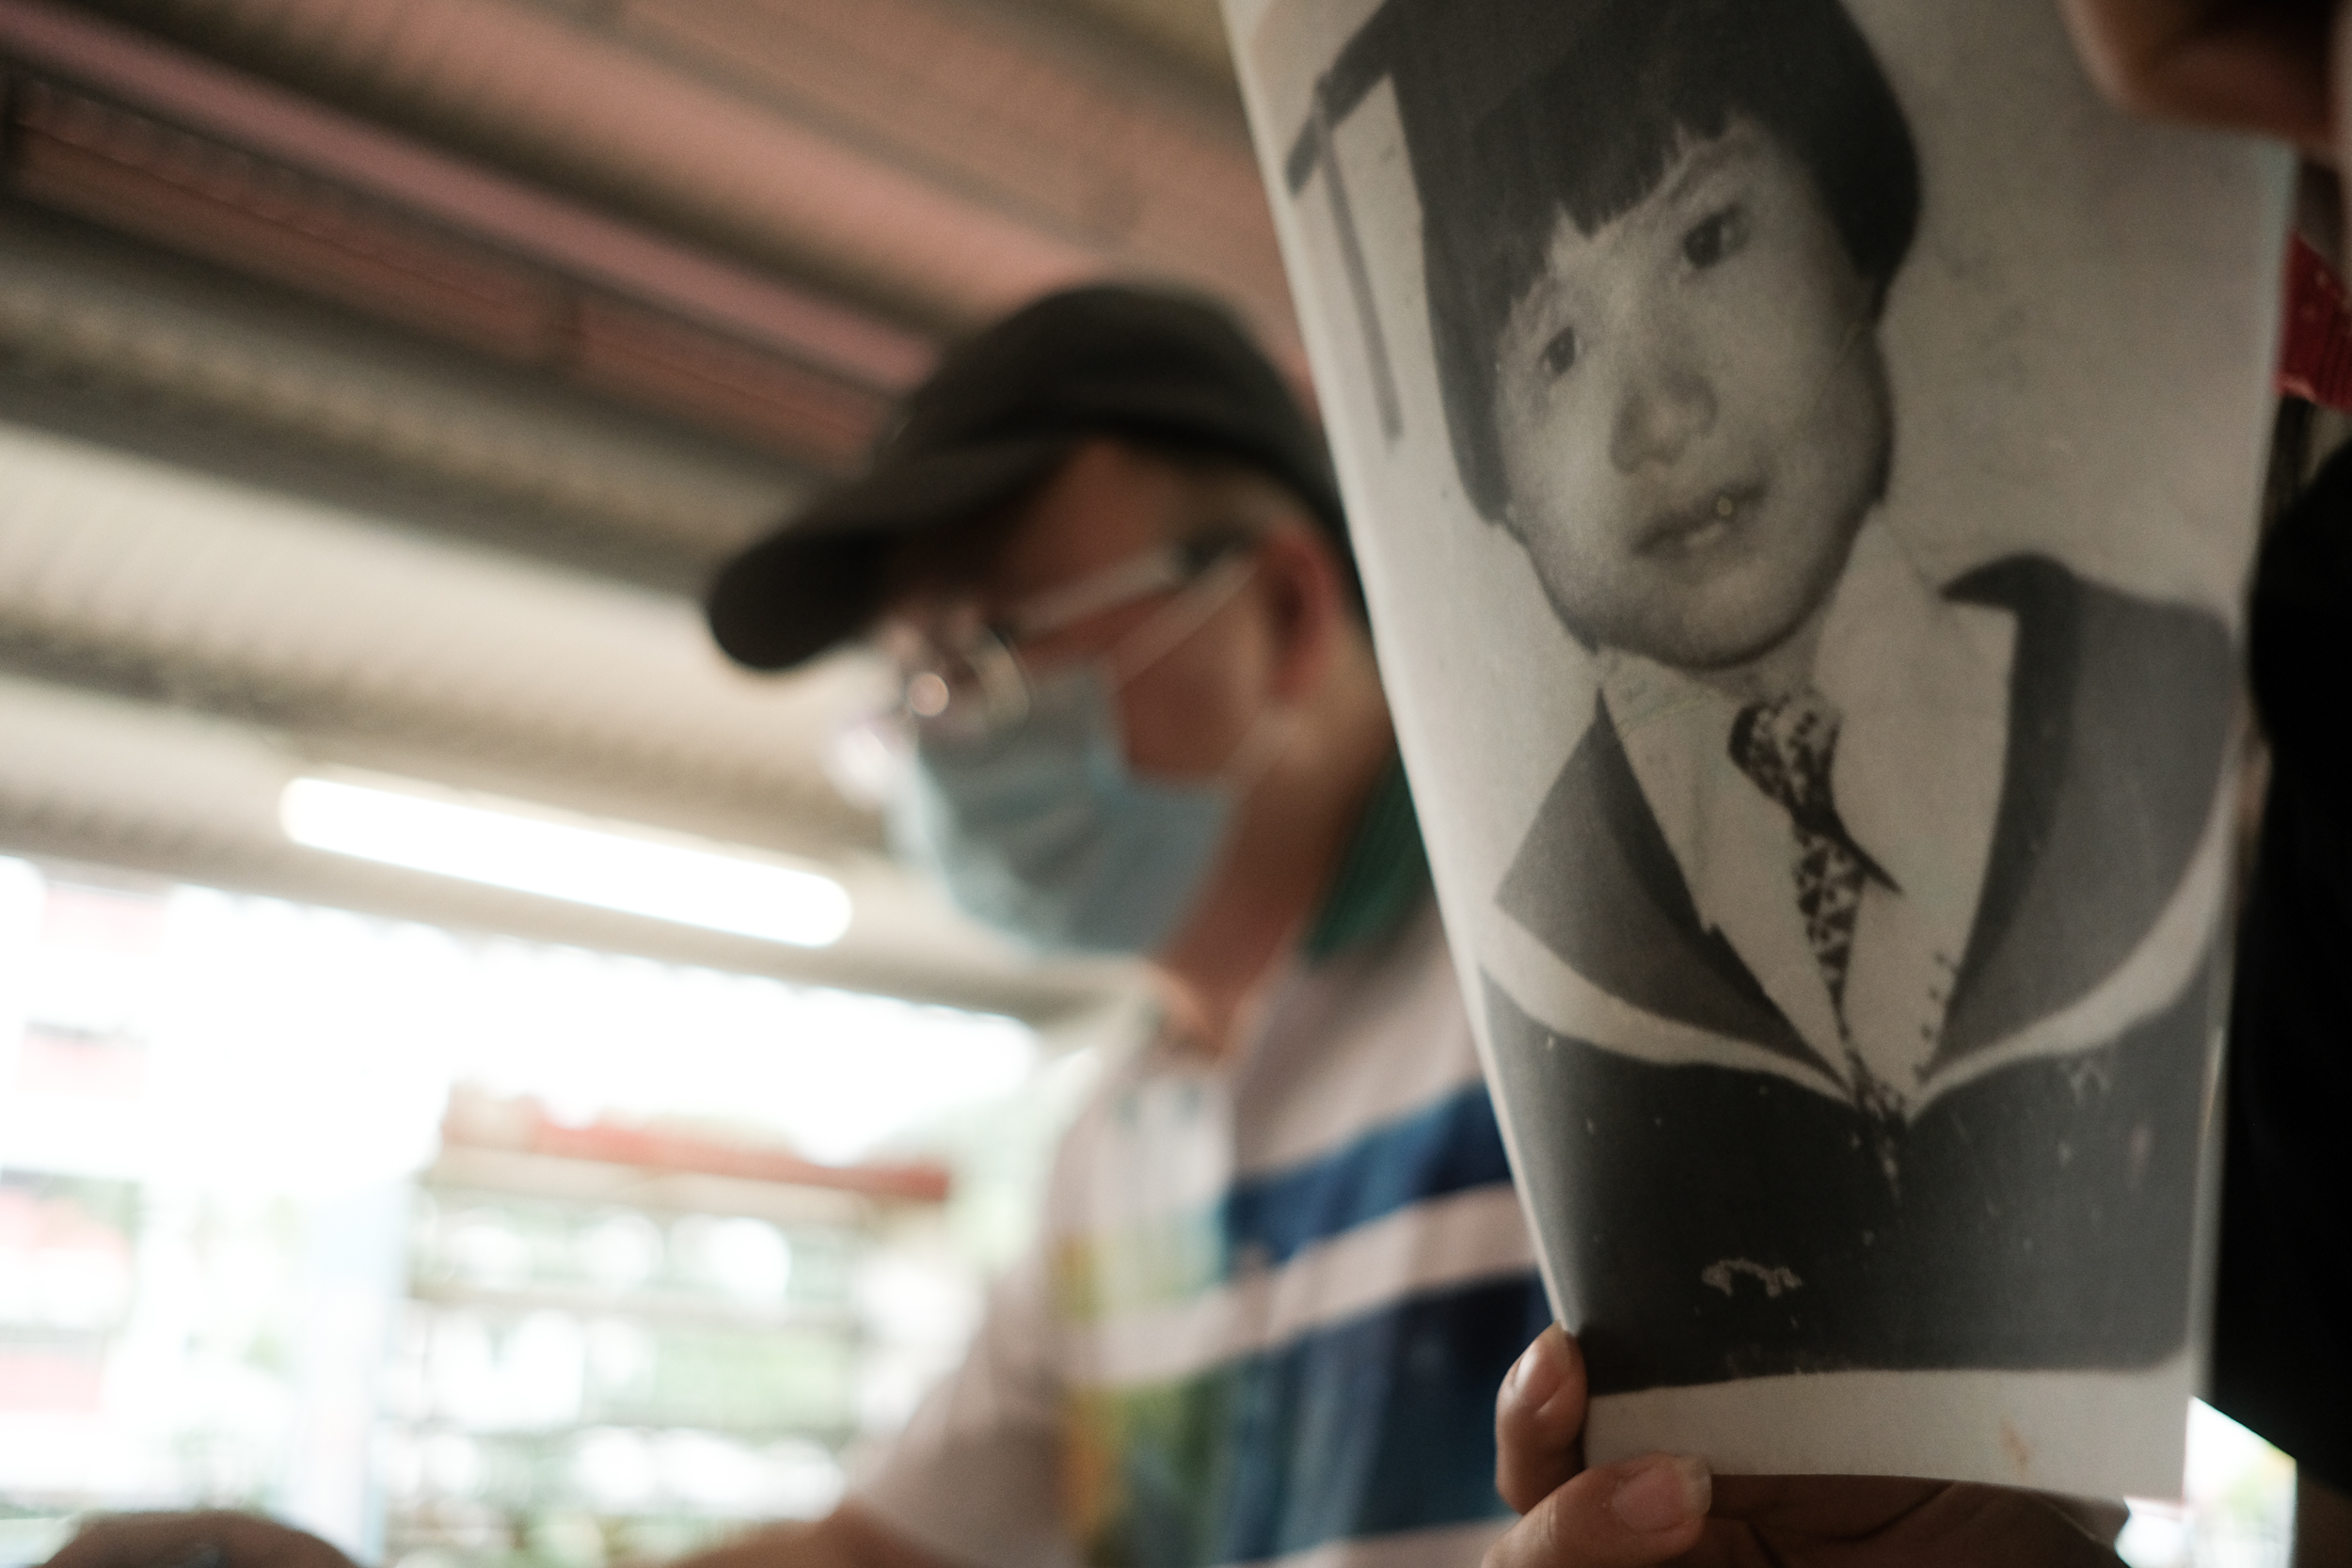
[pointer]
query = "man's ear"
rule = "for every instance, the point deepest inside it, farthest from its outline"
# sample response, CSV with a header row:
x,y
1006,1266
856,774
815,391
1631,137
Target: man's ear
x,y
1300,582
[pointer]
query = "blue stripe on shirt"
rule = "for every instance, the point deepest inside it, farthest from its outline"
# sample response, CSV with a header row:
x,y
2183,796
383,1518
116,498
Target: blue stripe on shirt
x,y
1381,1423
1448,1147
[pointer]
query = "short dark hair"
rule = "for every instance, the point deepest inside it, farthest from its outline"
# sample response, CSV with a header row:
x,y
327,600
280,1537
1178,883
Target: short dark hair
x,y
1592,133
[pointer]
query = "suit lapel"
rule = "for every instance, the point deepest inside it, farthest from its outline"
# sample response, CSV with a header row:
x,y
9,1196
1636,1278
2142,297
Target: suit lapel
x,y
2120,711
1596,881
2119,715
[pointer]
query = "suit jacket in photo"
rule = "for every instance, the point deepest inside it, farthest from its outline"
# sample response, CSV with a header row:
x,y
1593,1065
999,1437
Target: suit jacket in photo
x,y
2036,1209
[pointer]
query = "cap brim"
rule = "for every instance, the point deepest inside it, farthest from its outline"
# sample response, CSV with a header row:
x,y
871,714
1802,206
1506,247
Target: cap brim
x,y
820,579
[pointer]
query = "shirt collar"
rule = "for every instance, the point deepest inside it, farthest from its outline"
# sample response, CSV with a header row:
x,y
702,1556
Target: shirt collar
x,y
1383,877
1921,685
1922,682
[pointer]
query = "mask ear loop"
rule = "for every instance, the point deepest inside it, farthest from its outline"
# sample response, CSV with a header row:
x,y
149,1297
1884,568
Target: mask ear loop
x,y
1162,634
1267,736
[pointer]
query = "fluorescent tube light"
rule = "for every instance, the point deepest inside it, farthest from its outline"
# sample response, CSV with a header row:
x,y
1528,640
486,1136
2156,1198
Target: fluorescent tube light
x,y
528,850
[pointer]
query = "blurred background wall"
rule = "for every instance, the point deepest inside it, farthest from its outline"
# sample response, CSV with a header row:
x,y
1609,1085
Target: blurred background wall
x,y
379,380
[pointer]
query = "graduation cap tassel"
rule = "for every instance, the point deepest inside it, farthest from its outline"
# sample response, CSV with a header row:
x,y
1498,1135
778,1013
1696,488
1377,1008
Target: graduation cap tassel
x,y
1316,150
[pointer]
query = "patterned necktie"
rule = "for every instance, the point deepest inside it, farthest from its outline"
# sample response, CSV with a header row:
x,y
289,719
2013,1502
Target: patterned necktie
x,y
1787,748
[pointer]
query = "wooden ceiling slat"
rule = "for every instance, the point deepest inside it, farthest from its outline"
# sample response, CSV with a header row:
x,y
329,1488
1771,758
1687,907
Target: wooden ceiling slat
x,y
278,126
126,171
108,165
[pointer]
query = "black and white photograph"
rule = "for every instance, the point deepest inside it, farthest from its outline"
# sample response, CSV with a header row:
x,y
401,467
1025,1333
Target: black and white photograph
x,y
1814,651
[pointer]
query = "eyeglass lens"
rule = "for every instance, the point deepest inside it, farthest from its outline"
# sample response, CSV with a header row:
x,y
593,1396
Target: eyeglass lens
x,y
976,686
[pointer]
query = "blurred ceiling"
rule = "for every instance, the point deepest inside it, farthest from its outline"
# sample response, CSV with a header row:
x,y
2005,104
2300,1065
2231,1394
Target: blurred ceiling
x,y
379,379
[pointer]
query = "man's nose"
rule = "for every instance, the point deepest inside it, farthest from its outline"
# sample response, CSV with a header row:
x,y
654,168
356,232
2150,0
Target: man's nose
x,y
1660,411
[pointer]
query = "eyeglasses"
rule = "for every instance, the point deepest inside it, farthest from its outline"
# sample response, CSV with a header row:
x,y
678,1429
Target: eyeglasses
x,y
967,683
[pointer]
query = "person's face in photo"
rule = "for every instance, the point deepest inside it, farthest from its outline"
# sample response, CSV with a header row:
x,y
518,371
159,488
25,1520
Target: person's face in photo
x,y
1691,410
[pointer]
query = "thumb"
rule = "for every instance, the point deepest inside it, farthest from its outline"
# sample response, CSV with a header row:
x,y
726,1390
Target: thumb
x,y
1642,1512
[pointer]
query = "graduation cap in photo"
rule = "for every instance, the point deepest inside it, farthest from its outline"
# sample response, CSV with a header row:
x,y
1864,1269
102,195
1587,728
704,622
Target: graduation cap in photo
x,y
1517,111
1452,63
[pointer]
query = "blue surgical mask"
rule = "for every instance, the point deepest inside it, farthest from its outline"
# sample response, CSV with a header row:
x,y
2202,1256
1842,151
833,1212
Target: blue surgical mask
x,y
1047,834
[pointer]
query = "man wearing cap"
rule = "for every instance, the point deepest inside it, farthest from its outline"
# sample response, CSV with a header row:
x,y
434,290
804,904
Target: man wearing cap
x,y
1282,1270
1281,1273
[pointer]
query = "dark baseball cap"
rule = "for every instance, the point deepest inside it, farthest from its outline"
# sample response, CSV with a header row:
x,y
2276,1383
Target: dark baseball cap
x,y
1000,415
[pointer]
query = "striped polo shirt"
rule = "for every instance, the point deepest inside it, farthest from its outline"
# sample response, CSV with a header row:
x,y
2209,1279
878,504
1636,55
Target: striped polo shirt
x,y
1273,1295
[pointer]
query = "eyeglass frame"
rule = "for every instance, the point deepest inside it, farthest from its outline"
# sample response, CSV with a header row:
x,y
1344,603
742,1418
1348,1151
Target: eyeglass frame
x,y
990,649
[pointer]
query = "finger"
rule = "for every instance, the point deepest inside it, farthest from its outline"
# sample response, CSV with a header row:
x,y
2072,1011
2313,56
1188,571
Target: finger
x,y
1967,1525
1643,1511
2254,65
1919,1524
1828,1507
1539,1419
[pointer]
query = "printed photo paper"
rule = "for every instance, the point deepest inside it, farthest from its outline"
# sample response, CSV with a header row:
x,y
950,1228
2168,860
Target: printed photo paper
x,y
1804,458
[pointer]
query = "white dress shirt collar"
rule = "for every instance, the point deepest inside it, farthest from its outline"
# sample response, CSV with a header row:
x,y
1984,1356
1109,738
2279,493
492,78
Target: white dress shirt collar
x,y
1922,686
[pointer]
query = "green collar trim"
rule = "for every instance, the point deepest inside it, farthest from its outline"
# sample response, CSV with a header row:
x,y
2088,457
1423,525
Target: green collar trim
x,y
1383,878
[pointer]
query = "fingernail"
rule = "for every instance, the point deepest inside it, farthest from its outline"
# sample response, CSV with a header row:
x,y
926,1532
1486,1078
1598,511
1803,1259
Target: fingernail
x,y
1669,1489
1539,1371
